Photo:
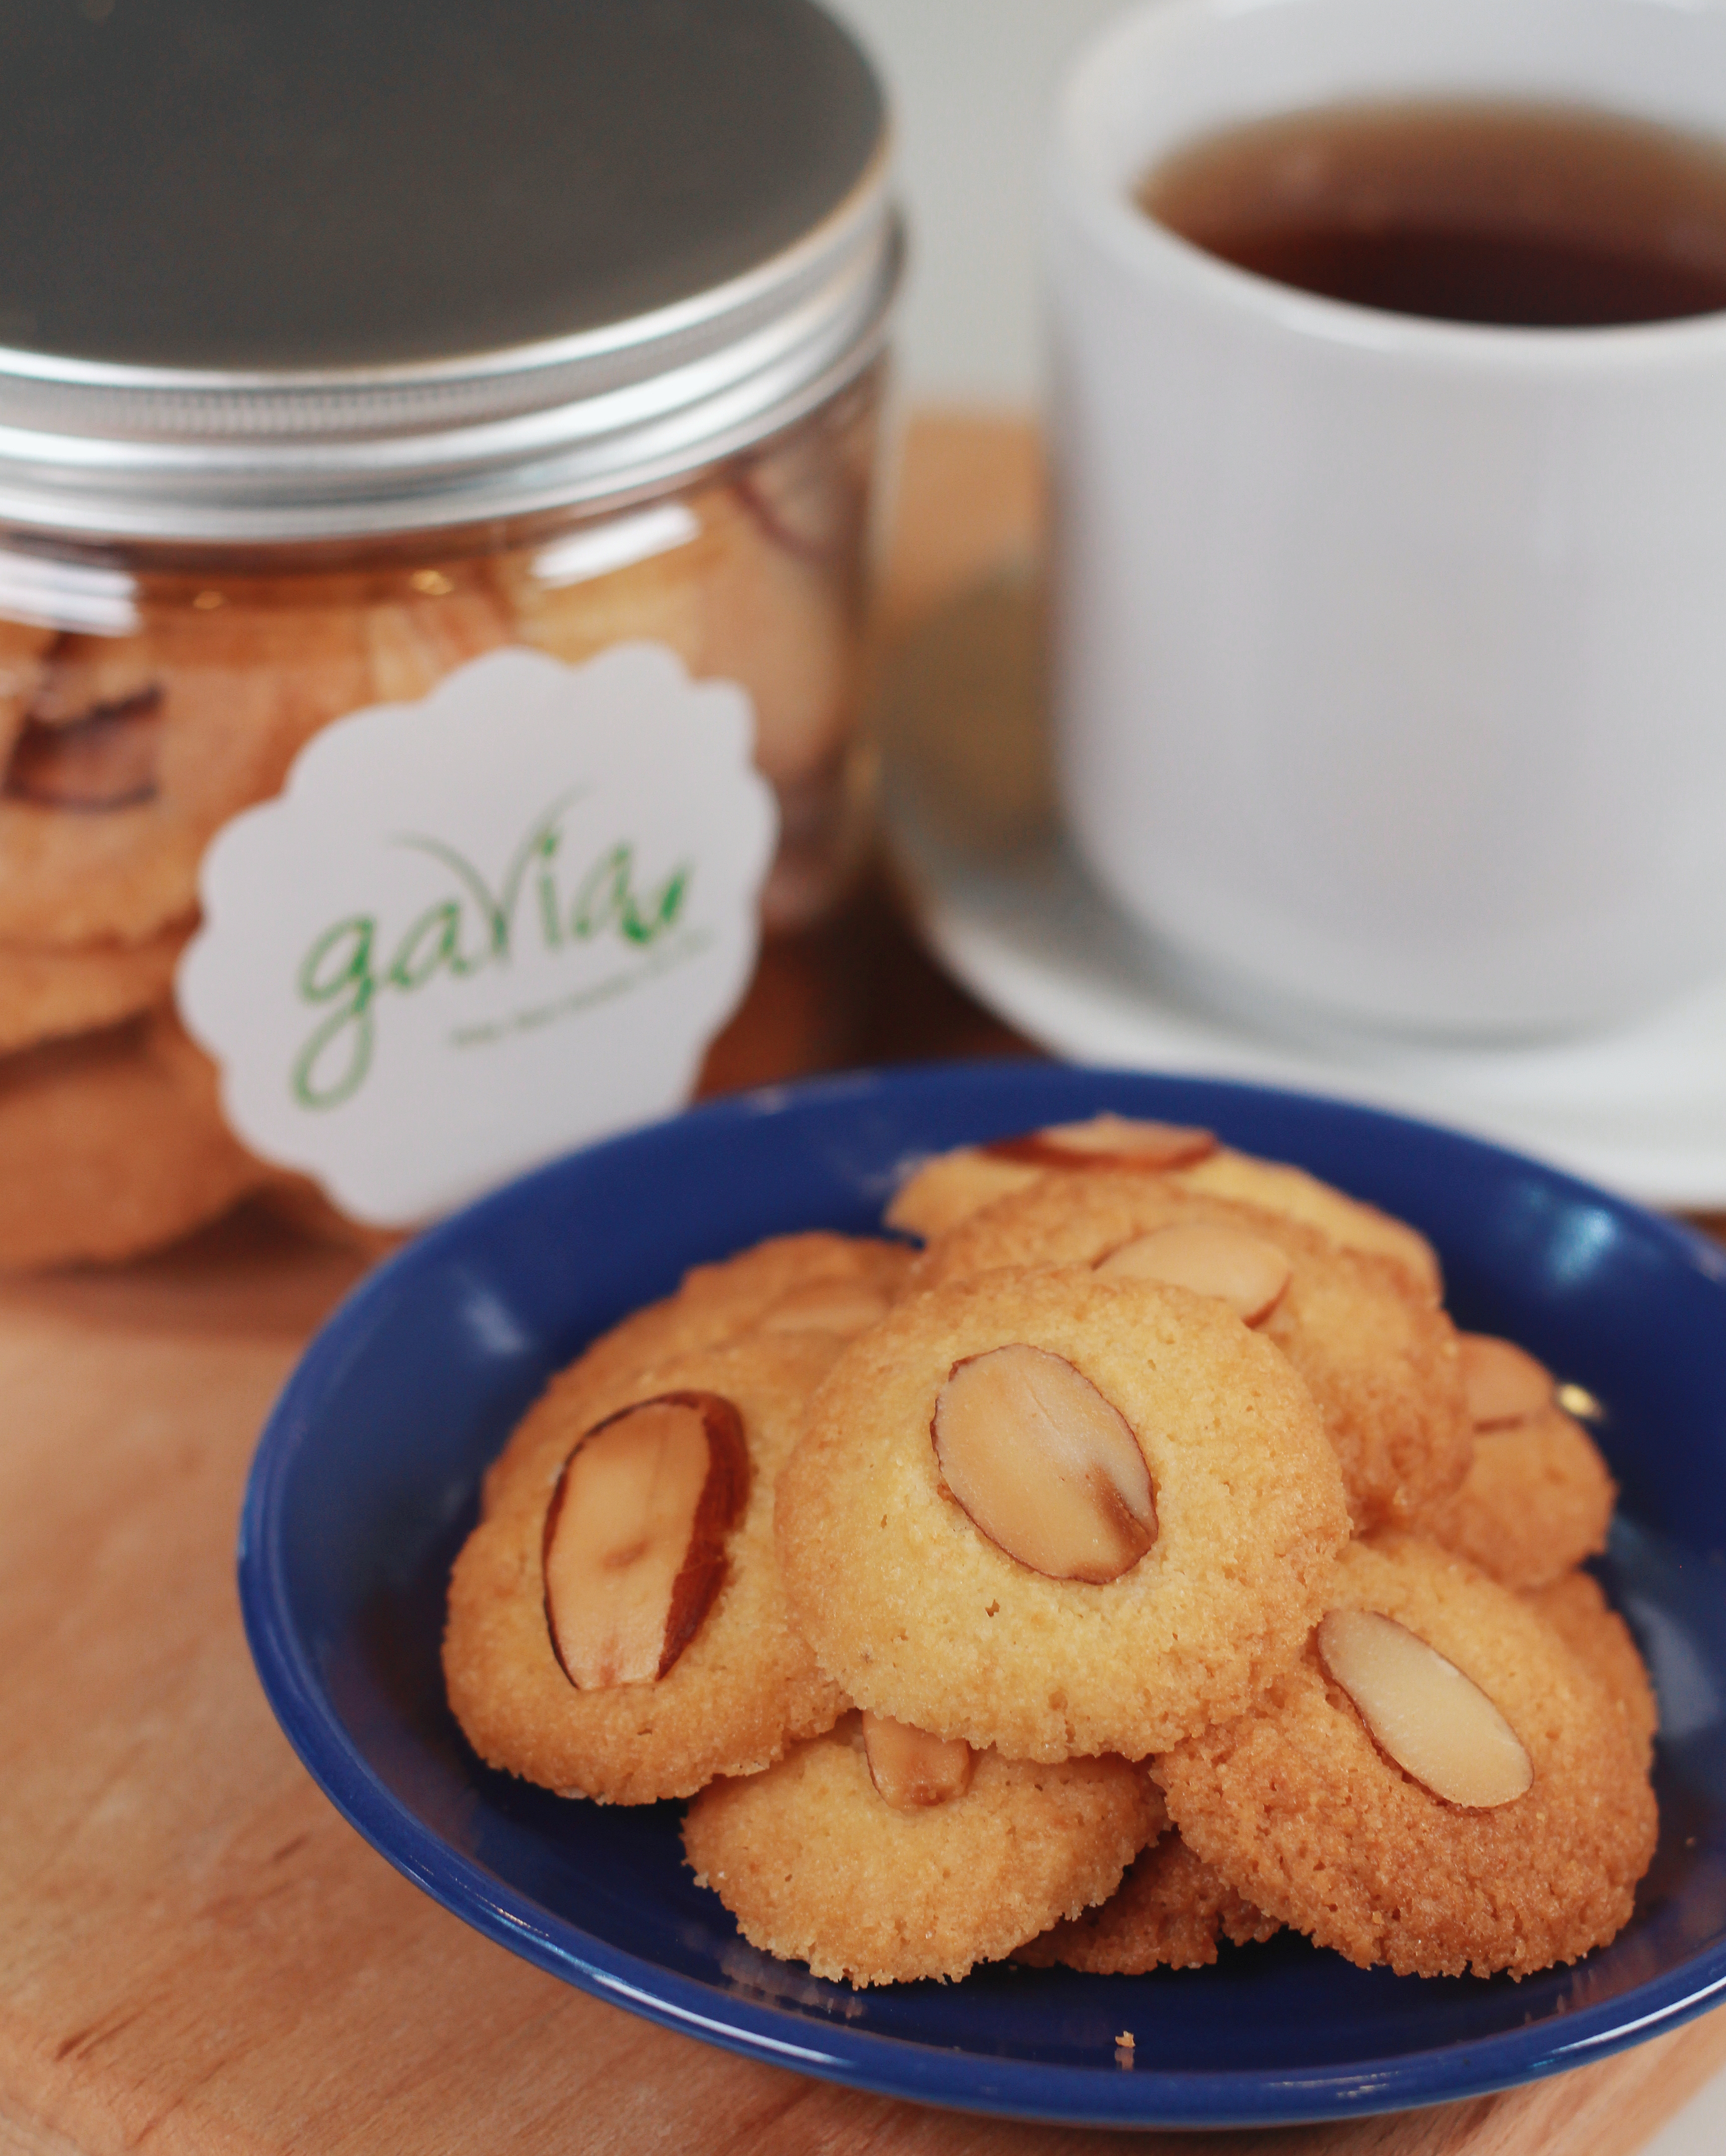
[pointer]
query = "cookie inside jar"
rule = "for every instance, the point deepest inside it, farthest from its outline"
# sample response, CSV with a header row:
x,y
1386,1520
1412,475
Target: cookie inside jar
x,y
609,468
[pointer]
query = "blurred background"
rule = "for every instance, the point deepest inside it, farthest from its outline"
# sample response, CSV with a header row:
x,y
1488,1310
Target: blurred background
x,y
972,82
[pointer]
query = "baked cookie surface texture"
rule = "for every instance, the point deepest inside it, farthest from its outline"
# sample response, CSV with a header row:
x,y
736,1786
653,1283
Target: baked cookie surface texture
x,y
134,750
816,1867
950,1186
1578,1611
819,1286
1168,1911
1537,1497
1300,1806
48,994
1380,1358
743,1687
917,1613
110,1142
815,1282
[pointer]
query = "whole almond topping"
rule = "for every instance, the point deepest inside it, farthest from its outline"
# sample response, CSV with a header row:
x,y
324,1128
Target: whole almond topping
x,y
1212,1257
1502,1382
910,1768
847,1307
1106,1142
1435,1724
1043,1465
633,1551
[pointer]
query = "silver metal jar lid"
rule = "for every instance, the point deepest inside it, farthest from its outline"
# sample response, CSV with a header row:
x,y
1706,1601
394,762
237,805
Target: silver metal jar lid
x,y
315,270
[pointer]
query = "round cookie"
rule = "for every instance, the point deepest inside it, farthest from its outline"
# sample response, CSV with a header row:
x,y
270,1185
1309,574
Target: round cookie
x,y
732,599
951,1187
816,1867
112,1143
1296,1806
410,644
918,1615
744,1686
48,992
1276,1187
136,749
815,1284
1537,1500
786,623
1168,1911
807,1283
657,597
1578,1611
1381,1359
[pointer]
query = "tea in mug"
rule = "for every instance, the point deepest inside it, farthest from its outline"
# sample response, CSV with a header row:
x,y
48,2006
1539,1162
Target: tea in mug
x,y
1533,216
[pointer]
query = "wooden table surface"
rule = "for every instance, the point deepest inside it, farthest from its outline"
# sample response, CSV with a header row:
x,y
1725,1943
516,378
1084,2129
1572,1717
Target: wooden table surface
x,y
197,1954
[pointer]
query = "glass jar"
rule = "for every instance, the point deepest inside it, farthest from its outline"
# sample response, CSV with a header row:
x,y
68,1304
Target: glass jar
x,y
222,531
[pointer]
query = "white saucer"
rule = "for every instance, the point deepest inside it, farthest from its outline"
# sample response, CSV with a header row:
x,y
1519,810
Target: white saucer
x,y
1642,1111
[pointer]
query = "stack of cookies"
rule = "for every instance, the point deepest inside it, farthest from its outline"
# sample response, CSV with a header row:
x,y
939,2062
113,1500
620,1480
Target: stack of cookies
x,y
121,756
123,753
1146,1562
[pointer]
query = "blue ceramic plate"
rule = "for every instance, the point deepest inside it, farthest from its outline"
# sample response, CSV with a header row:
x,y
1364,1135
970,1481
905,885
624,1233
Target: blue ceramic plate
x,y
364,1486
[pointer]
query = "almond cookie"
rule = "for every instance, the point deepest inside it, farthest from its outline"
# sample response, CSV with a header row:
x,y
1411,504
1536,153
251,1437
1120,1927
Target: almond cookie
x,y
1578,1611
1438,1783
134,750
1169,1913
1380,1359
1059,1514
1538,1497
561,1568
818,1284
954,1185
112,1143
818,1866
1537,1500
733,598
48,992
807,1283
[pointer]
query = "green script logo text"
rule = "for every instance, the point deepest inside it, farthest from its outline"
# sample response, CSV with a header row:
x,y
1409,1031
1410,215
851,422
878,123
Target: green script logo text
x,y
470,928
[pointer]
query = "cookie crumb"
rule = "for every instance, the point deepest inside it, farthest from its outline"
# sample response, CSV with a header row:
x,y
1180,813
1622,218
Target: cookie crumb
x,y
1124,2048
1577,1400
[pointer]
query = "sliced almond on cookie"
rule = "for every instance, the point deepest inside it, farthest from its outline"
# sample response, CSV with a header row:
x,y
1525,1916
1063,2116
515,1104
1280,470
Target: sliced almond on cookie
x,y
912,1770
1210,1257
1502,1383
1435,1724
633,1550
1106,1142
1043,1465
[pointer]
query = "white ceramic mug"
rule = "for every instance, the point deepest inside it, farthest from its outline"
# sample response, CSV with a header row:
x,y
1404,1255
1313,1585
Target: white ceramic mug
x,y
1389,654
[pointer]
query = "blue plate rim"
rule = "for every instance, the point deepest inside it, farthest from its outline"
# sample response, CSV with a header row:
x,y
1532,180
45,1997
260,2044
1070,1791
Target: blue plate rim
x,y
1034,2091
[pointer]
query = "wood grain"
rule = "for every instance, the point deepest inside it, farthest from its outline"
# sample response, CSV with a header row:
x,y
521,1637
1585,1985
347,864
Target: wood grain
x,y
197,1957
196,1953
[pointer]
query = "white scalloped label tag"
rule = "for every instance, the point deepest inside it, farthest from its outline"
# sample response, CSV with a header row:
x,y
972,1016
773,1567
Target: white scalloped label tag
x,y
475,931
